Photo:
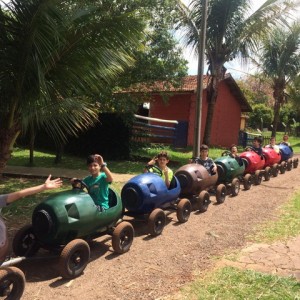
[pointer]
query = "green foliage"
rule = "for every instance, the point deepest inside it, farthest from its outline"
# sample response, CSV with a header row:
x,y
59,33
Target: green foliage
x,y
257,89
260,117
280,61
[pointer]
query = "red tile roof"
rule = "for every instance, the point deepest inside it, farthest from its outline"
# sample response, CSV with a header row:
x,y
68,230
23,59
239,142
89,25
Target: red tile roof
x,y
188,84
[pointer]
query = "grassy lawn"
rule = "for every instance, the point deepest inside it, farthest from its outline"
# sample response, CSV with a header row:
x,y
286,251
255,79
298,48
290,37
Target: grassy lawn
x,y
231,283
286,226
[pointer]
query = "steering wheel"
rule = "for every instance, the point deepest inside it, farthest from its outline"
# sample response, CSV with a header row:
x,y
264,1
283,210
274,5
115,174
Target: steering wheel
x,y
226,153
249,148
79,184
155,169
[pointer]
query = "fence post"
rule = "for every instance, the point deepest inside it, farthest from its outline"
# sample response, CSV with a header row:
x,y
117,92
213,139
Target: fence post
x,y
181,130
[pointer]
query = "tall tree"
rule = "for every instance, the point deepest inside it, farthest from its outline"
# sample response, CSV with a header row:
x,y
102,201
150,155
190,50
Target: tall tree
x,y
280,61
53,56
232,31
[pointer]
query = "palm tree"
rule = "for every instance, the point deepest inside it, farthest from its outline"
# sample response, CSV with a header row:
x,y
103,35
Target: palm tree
x,y
232,31
280,61
53,56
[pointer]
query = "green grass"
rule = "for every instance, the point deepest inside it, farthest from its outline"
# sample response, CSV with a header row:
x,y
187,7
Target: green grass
x,y
230,283
286,226
179,157
140,156
20,157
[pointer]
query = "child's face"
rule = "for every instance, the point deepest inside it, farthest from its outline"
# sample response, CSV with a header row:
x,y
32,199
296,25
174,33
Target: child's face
x,y
256,143
94,168
234,150
272,141
285,138
162,162
203,153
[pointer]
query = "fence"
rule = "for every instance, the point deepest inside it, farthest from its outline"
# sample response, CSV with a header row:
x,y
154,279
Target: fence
x,y
174,134
246,138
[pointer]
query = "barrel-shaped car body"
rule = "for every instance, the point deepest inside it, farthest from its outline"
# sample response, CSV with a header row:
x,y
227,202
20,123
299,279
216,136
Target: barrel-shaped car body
x,y
286,152
229,168
194,178
271,156
145,192
253,161
73,214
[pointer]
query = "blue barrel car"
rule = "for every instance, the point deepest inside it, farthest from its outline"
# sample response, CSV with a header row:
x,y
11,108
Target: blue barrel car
x,y
65,222
148,196
287,161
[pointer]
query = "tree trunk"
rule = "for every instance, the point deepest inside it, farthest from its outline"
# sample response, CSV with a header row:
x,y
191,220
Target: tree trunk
x,y
278,94
31,145
276,118
7,140
59,153
212,94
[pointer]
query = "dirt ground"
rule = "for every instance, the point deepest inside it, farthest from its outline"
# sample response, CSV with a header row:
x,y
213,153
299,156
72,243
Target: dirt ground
x,y
156,267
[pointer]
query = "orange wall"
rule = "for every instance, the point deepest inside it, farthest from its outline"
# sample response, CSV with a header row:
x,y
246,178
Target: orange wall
x,y
181,107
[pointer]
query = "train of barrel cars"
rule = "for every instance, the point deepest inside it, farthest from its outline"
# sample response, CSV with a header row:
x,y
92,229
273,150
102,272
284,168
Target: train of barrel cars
x,y
65,222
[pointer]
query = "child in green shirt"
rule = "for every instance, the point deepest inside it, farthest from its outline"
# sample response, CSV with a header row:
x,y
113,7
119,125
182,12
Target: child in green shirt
x,y
98,181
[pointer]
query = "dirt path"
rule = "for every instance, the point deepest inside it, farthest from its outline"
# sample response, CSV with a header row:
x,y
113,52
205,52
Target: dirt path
x,y
155,267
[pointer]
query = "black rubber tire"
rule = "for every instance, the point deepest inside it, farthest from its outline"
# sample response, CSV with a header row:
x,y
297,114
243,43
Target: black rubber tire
x,y
25,242
275,170
247,182
268,173
235,187
295,162
257,177
122,237
282,167
203,201
12,283
289,164
221,193
184,208
156,222
74,259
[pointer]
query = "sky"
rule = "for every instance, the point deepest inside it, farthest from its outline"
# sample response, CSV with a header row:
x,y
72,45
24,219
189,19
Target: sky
x,y
235,67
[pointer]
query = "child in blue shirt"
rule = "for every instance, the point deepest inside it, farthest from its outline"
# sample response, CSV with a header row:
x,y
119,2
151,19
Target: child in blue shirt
x,y
205,161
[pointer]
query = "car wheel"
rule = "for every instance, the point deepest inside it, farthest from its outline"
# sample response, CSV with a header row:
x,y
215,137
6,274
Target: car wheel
x,y
289,164
267,174
275,170
184,209
74,259
257,177
282,167
203,201
12,283
25,242
221,193
122,237
295,162
156,222
247,181
235,187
